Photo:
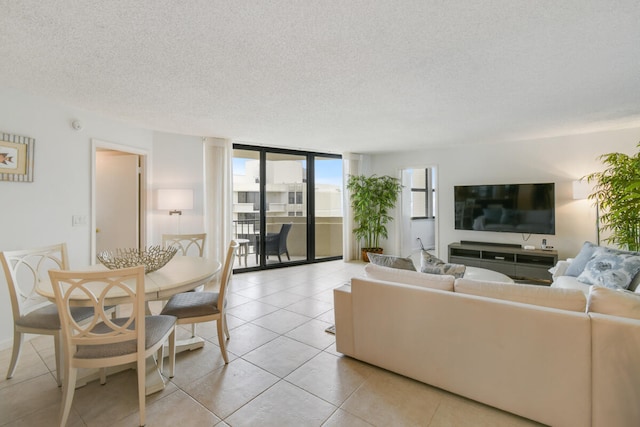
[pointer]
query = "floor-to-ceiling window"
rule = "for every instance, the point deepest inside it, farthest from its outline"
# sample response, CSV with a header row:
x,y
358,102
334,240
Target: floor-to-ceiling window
x,y
287,206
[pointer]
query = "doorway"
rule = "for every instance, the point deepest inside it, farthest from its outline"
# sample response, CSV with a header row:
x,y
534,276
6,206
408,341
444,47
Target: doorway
x,y
118,202
419,211
287,206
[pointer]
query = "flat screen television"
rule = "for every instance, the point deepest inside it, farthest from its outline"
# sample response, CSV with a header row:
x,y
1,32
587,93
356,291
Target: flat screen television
x,y
511,208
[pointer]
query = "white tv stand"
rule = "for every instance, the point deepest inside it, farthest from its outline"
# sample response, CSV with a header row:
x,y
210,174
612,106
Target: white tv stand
x,y
515,262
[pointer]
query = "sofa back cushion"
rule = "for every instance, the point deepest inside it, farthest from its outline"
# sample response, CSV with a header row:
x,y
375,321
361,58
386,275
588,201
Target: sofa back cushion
x,y
391,261
564,299
435,281
614,302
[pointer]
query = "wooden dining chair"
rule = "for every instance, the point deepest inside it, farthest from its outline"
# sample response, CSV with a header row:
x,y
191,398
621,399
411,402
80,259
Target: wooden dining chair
x,y
187,244
107,341
199,307
32,313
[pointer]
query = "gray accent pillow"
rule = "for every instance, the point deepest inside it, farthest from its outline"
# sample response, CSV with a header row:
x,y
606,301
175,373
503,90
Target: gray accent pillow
x,y
611,269
434,265
455,270
428,259
391,261
580,261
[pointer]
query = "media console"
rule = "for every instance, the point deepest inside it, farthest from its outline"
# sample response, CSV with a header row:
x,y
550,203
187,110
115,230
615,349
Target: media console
x,y
512,260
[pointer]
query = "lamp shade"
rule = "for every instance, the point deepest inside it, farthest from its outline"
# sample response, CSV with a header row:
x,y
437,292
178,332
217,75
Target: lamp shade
x,y
175,199
580,190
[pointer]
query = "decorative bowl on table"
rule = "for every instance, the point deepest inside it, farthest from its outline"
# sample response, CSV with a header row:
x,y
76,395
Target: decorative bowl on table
x,y
153,258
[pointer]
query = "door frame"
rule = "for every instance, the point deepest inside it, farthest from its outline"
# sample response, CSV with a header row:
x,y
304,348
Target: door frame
x,y
97,145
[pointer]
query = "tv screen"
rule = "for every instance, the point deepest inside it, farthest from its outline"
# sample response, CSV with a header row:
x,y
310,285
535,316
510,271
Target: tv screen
x,y
512,208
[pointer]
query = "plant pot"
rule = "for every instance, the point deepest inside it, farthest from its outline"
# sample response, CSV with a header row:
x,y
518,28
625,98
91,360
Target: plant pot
x,y
365,258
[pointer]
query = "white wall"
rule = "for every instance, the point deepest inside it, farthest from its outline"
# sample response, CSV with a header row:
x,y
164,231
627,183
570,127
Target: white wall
x,y
560,160
39,213
177,162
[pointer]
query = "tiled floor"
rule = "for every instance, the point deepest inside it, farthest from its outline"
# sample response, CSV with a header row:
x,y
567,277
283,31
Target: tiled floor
x,y
283,371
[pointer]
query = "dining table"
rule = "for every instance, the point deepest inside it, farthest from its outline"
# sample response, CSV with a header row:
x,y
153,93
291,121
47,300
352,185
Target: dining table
x,y
180,274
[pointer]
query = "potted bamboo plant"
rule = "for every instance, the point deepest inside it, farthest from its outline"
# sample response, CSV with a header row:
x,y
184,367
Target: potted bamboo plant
x,y
372,199
617,195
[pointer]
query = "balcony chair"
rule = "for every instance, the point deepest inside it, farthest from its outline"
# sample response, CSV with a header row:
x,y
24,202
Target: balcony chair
x,y
199,307
105,341
275,243
32,313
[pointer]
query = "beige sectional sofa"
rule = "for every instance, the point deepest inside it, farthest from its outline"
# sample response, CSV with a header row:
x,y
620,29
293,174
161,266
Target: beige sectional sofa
x,y
535,351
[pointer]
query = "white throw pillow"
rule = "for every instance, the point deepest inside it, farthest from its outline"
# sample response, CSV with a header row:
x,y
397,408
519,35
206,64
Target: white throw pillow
x,y
388,274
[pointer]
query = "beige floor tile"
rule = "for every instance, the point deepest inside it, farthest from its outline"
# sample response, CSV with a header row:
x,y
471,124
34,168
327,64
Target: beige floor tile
x,y
313,333
342,418
458,411
282,299
28,396
387,399
327,316
234,299
281,356
331,378
30,365
251,310
191,365
47,417
256,292
229,388
282,405
281,321
310,307
103,405
248,337
170,411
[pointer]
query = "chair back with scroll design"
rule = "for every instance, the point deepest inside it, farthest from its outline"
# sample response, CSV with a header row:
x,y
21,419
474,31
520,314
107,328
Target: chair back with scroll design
x,y
33,314
107,341
187,244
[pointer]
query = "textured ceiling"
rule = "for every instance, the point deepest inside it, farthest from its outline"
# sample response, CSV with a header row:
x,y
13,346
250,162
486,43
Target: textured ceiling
x,y
336,75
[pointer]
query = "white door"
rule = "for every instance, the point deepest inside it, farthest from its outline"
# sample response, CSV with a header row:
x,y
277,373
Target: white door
x,y
117,200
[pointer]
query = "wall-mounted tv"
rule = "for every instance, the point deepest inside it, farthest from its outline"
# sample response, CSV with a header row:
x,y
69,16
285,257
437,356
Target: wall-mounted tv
x,y
512,208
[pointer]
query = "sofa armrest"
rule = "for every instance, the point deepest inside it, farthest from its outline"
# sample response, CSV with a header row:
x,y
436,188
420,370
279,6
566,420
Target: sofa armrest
x,y
343,312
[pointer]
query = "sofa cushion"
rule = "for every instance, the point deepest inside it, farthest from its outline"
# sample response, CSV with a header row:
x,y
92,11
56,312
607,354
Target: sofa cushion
x,y
434,265
564,299
611,268
614,302
580,261
391,261
388,274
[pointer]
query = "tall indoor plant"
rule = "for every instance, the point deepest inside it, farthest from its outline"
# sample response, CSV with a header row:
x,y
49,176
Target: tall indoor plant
x,y
617,195
372,198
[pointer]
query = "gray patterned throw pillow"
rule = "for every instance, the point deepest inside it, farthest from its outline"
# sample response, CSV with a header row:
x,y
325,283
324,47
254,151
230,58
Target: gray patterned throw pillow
x,y
391,261
434,265
610,268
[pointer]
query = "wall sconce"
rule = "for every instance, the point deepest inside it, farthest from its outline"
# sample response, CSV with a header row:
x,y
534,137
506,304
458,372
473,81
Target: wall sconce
x,y
175,200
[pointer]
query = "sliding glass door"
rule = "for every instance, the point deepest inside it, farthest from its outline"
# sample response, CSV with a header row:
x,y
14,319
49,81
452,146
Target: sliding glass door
x,y
287,206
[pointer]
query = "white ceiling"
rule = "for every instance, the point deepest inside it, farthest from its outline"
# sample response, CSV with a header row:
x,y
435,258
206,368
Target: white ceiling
x,y
334,75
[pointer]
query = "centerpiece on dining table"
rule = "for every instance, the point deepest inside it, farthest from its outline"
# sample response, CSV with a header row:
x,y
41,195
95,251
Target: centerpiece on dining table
x,y
153,258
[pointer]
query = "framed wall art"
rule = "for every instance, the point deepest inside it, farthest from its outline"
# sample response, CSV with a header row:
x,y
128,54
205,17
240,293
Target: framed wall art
x,y
16,158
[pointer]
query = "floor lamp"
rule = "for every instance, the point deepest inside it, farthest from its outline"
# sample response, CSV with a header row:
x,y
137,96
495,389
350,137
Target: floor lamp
x,y
581,191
